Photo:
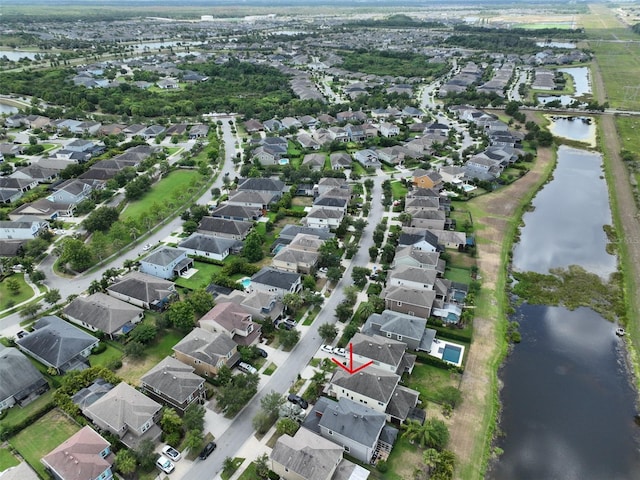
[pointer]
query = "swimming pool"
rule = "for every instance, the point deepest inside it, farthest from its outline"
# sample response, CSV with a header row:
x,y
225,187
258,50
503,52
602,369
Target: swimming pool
x,y
468,188
283,161
451,354
246,282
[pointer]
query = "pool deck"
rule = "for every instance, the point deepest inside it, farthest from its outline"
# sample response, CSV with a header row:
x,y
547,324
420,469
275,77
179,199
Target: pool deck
x,y
437,349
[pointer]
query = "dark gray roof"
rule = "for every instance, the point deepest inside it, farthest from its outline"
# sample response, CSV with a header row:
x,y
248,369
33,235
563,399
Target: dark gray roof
x,y
290,231
402,324
222,225
164,256
371,382
207,243
325,201
56,341
90,394
17,373
413,238
236,211
402,401
378,348
261,184
275,278
345,417
309,455
143,287
103,312
208,347
173,379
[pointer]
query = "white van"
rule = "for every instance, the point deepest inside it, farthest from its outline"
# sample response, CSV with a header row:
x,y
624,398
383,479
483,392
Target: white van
x,y
246,368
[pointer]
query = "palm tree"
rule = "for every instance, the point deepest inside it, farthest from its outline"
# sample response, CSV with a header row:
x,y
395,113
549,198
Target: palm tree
x,y
366,310
431,458
433,434
94,287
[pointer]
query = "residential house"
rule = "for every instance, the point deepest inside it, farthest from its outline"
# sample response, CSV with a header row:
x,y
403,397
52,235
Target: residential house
x,y
146,291
482,167
328,183
273,125
415,302
126,413
42,209
385,353
340,160
260,304
290,232
236,212
308,142
355,427
315,161
426,178
177,129
166,262
152,131
24,229
58,344
288,122
252,126
294,260
377,389
223,228
276,281
412,277
174,384
367,158
207,246
421,240
270,154
305,456
22,471
428,219
21,184
168,84
396,155
251,199
36,172
452,174
338,134
199,130
232,320
206,351
263,185
84,456
20,380
100,312
389,129
72,191
401,327
419,258
338,203
451,239
319,217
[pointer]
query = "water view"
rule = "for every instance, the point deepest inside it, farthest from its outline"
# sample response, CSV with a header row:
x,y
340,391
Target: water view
x,y
7,109
565,227
15,55
582,129
581,81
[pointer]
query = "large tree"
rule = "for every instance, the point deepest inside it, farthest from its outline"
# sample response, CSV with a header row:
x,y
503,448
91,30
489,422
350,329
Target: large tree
x,y
182,316
101,219
327,332
252,249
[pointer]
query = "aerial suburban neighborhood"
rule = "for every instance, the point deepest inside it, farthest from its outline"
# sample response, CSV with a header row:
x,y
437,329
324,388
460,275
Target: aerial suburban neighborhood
x,y
279,242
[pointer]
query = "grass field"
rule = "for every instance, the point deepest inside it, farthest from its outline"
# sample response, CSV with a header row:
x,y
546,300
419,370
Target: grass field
x,y
460,275
171,187
103,359
35,441
628,129
7,460
202,278
399,190
132,370
429,380
17,414
8,299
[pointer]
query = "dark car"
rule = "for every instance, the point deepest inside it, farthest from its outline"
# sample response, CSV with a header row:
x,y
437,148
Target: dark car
x,y
261,352
298,400
206,451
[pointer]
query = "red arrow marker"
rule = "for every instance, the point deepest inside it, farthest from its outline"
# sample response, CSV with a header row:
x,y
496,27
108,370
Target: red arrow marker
x,y
350,369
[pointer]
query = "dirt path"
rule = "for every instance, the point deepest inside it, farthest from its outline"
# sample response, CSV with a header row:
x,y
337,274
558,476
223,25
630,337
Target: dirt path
x,y
499,207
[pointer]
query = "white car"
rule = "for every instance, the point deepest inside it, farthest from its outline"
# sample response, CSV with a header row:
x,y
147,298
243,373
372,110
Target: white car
x,y
147,247
171,452
341,352
164,464
326,349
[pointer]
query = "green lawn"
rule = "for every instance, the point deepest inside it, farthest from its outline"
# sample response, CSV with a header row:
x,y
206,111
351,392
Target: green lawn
x,y
429,380
270,369
357,168
249,473
41,437
17,414
227,474
202,278
7,460
169,188
399,190
8,299
102,359
460,275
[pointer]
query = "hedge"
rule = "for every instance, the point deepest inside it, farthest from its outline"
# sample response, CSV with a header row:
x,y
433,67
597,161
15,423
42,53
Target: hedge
x,y
7,432
446,332
427,359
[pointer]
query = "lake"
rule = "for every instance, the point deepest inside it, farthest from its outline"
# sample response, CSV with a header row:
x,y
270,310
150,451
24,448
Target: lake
x,y
565,227
7,109
15,55
581,79
582,129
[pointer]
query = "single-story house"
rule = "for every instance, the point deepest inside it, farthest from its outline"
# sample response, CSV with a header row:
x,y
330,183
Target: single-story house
x,y
208,246
145,291
20,380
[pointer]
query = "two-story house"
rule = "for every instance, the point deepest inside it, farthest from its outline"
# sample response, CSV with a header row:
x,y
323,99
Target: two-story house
x,y
20,380
232,320
401,327
207,351
385,353
23,229
221,227
145,291
166,262
278,282
173,383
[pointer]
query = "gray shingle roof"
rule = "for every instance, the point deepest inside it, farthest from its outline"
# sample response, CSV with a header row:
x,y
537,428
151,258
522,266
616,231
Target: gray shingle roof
x,y
307,454
103,312
173,379
410,296
164,256
381,349
146,288
402,401
398,323
290,232
56,341
16,372
262,184
207,243
353,420
413,274
371,382
205,346
275,278
222,225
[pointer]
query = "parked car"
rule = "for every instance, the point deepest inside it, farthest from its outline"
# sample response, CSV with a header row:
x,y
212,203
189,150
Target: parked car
x,y
263,353
341,352
326,349
164,464
246,368
171,452
290,321
22,334
147,247
298,400
207,450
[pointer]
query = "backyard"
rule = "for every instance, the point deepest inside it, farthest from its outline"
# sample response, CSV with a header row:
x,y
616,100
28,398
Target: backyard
x,y
7,297
35,441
